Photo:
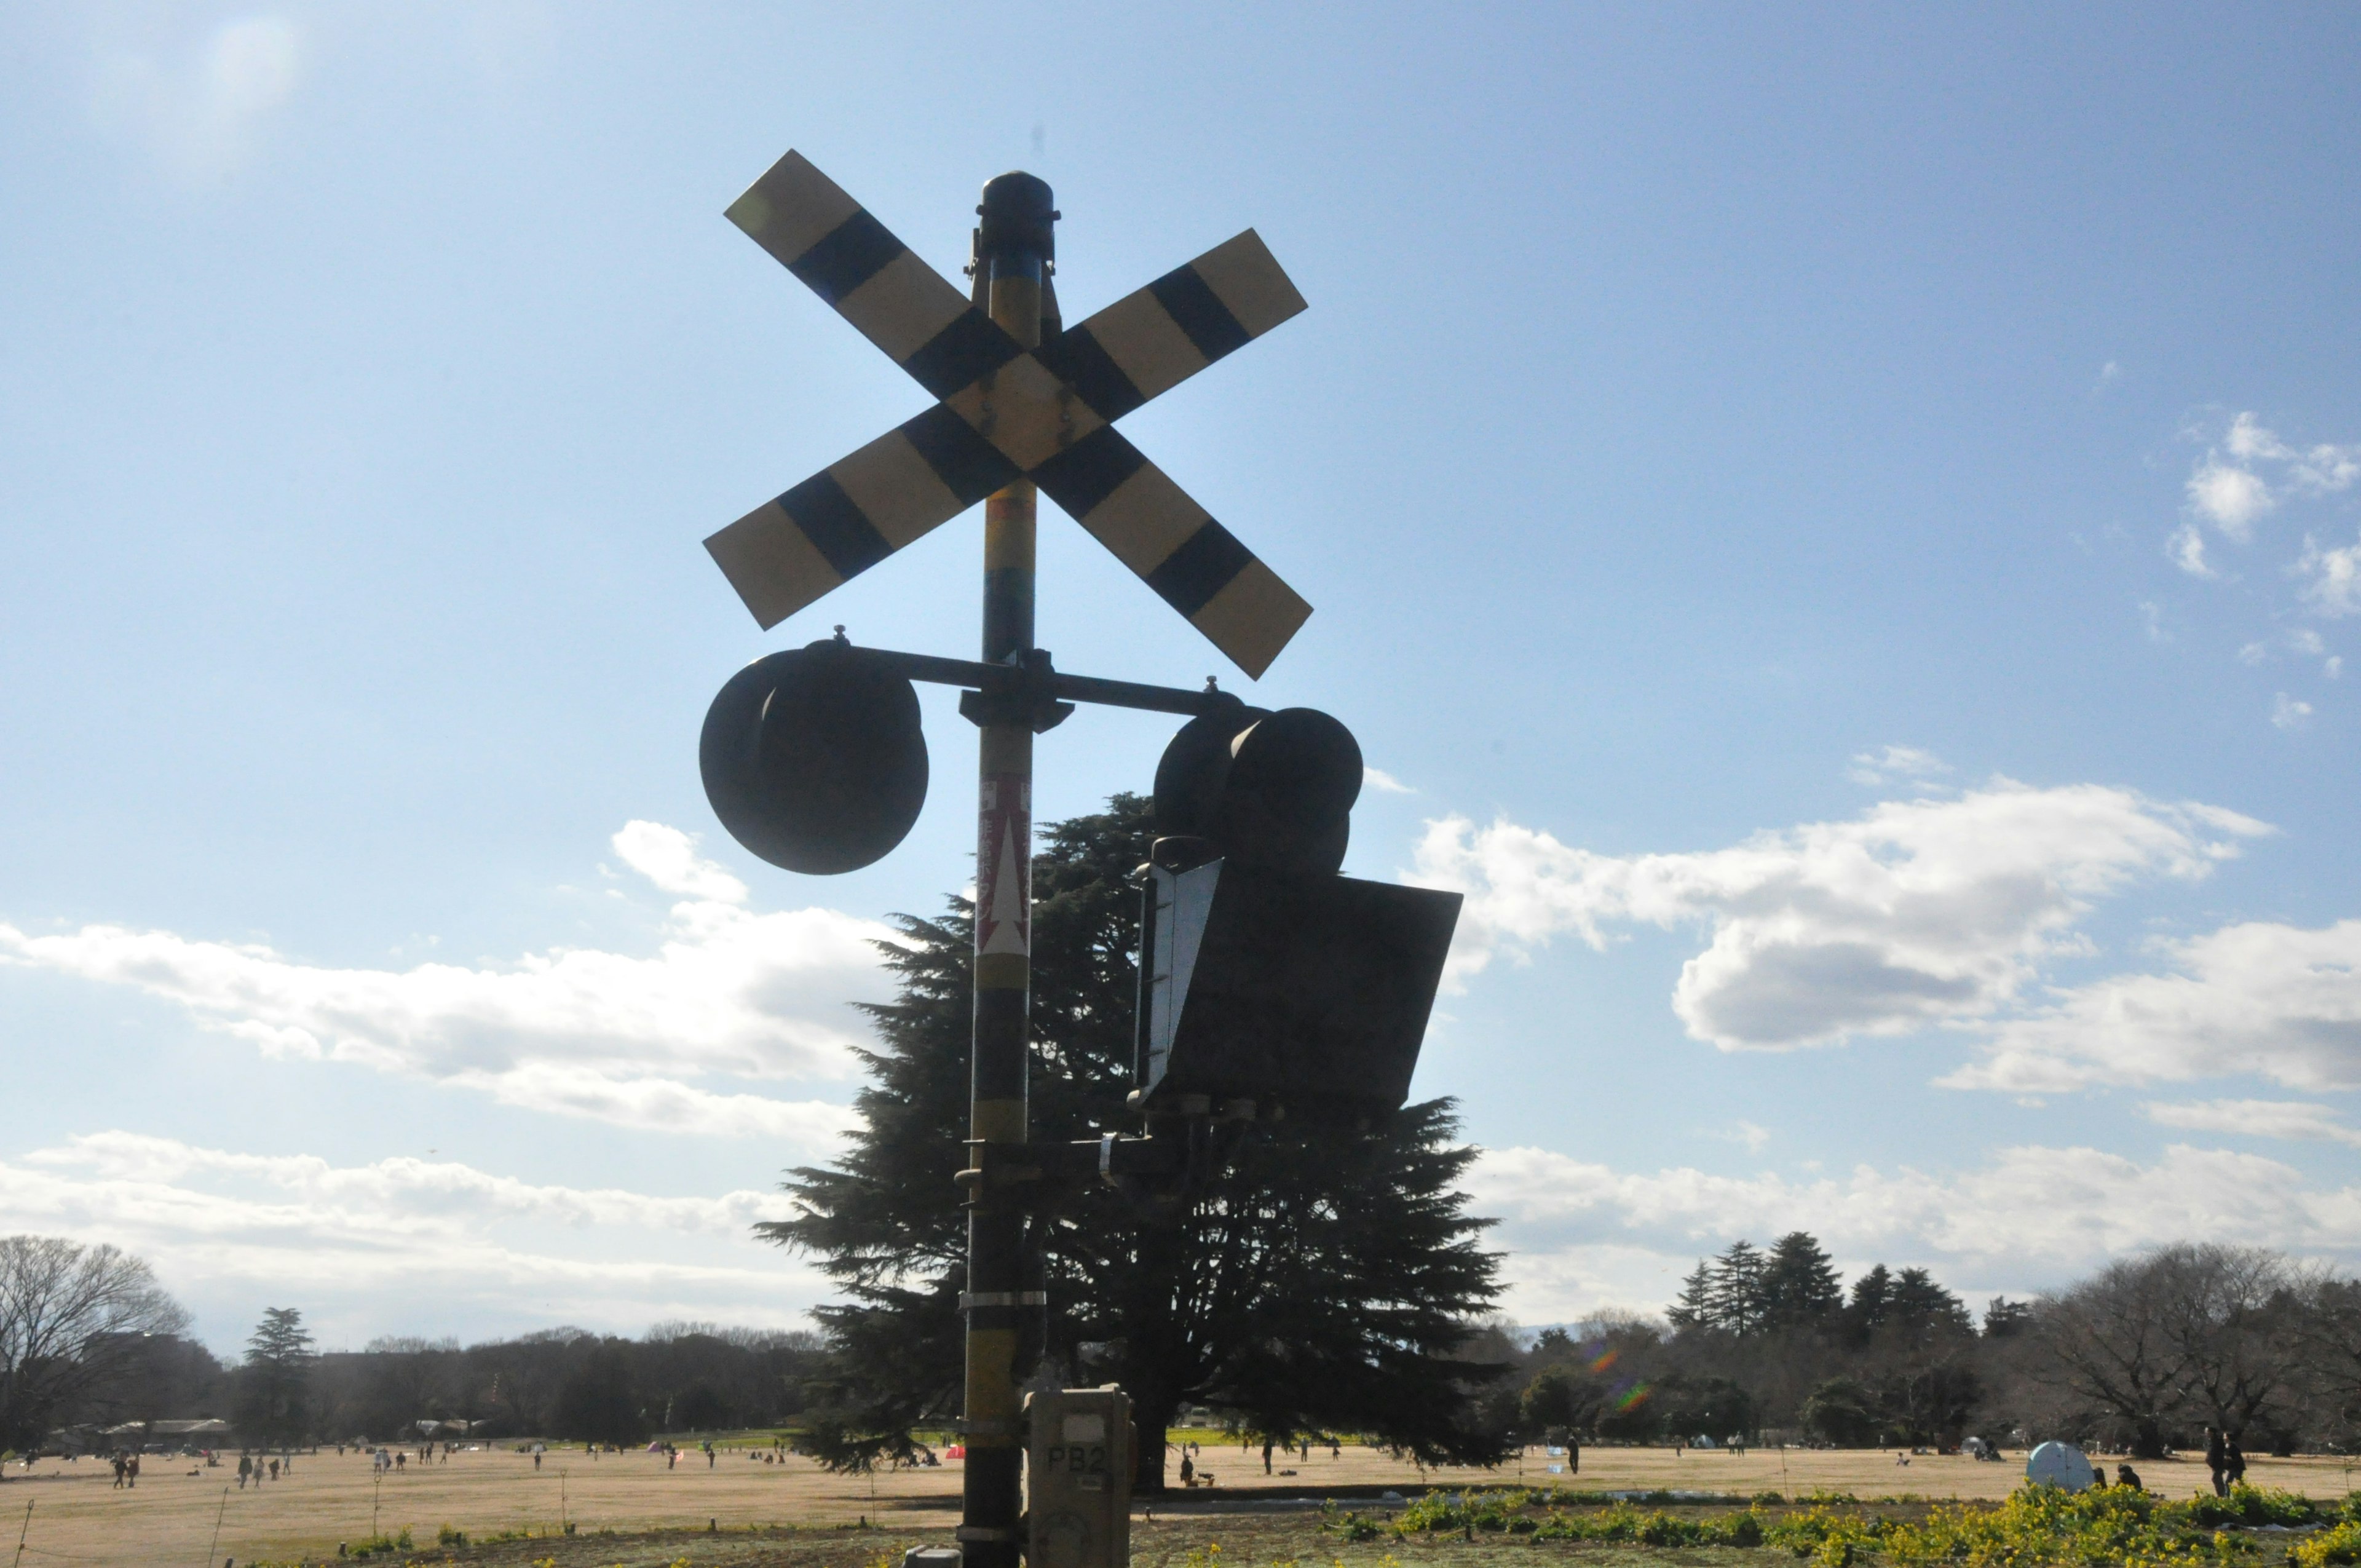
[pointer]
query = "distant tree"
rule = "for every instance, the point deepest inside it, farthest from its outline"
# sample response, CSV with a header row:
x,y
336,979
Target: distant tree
x,y
2005,1318
599,1400
1841,1412
1717,1408
1561,1395
272,1386
1323,1278
71,1319
1918,1303
2105,1341
2232,1311
1872,1297
1800,1284
521,1375
1551,1345
701,1408
1740,1301
1694,1307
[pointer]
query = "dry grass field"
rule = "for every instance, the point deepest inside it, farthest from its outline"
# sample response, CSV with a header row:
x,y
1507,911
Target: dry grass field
x,y
819,1520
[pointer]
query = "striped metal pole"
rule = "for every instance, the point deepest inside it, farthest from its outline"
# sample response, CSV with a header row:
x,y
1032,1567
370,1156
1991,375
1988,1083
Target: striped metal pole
x,y
1013,253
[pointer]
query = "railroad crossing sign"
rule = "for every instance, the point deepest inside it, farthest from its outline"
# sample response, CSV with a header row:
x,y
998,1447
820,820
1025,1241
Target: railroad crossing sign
x,y
1007,412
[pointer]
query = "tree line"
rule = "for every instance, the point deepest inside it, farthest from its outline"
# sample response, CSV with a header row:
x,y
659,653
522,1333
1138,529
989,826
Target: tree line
x,y
89,1341
2141,1356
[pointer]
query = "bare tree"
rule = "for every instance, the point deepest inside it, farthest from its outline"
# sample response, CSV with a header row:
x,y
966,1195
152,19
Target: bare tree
x,y
2108,1345
2328,1329
70,1321
2232,1310
2194,1332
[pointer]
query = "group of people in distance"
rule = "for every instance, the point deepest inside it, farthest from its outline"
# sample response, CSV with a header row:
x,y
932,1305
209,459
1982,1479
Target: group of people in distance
x,y
250,1467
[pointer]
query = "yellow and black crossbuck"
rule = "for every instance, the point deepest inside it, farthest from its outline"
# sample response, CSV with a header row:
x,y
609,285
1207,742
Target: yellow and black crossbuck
x,y
1007,412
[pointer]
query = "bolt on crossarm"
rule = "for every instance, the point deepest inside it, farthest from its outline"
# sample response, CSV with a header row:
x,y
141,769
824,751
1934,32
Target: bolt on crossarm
x,y
1013,255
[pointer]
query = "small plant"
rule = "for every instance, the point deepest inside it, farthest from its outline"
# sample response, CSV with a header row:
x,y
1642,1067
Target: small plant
x,y
446,1536
2338,1548
377,1545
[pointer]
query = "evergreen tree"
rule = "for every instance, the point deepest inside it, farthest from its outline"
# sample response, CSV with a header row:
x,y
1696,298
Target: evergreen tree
x,y
1919,1303
272,1407
1321,1279
1872,1296
2004,1318
1800,1286
1737,1289
1694,1308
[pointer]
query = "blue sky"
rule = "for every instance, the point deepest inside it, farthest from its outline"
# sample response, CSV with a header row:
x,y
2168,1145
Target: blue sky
x,y
1841,521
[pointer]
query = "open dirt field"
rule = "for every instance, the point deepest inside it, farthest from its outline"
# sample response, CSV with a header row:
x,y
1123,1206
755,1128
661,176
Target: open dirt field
x,y
77,1518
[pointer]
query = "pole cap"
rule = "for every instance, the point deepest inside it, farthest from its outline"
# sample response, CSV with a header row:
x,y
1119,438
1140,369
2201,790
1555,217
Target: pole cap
x,y
1017,210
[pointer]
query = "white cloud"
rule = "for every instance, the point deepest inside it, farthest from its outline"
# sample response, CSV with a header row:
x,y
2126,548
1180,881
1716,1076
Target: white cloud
x,y
667,857
2278,1001
2333,666
1895,762
2247,475
1383,781
1583,1235
2229,498
408,1243
2253,654
2256,1118
2152,621
2187,548
2288,713
203,115
2331,579
575,1031
1747,1133
1915,913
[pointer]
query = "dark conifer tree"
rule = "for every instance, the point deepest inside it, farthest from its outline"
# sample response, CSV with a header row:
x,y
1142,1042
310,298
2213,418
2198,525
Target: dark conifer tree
x,y
1800,1285
1325,1278
272,1406
1873,1297
1737,1289
1694,1307
1919,1303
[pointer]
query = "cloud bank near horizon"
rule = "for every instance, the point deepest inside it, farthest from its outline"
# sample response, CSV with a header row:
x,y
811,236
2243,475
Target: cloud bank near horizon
x,y
729,993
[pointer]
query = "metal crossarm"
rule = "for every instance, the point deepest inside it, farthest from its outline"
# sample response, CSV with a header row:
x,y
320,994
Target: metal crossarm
x,y
1007,413
1150,341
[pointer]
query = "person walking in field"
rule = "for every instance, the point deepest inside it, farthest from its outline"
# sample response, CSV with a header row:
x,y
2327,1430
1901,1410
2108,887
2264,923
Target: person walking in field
x,y
2234,1463
245,1469
131,1472
2217,1460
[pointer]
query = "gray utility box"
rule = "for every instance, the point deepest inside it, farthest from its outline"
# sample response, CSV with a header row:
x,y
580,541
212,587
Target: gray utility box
x,y
1308,991
1078,1478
